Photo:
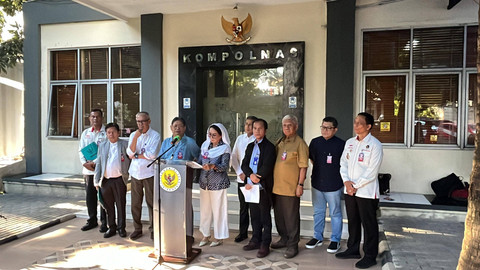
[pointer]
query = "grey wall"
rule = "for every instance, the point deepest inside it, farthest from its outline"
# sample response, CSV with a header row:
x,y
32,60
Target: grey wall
x,y
35,14
152,68
340,64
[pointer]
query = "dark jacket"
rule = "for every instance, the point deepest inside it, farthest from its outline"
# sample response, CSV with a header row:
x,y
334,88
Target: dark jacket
x,y
266,163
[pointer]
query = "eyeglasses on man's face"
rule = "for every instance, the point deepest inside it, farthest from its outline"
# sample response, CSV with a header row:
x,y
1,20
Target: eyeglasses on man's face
x,y
327,128
142,121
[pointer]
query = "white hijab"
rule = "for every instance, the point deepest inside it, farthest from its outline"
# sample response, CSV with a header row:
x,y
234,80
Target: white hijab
x,y
218,150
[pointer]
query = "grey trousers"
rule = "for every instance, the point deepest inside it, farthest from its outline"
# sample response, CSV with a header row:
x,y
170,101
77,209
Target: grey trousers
x,y
138,185
287,219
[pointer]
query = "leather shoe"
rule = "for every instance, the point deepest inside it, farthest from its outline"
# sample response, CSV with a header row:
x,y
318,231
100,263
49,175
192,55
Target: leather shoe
x,y
290,252
135,235
263,251
122,233
240,238
251,246
89,226
103,228
348,254
278,244
366,263
110,233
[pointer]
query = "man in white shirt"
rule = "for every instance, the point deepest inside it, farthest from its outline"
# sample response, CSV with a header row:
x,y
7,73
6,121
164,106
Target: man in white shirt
x,y
238,154
359,165
143,147
94,134
111,178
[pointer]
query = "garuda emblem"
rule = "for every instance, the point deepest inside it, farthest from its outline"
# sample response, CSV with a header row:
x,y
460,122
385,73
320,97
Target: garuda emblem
x,y
169,178
237,30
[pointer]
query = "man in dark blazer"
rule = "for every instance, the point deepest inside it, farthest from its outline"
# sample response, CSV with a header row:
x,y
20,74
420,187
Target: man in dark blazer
x,y
111,176
258,165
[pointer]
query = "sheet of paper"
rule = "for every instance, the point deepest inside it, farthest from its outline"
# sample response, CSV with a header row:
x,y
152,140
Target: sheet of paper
x,y
193,164
252,195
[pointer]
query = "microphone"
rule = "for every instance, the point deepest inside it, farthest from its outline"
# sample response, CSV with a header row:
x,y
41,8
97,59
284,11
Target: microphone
x,y
175,139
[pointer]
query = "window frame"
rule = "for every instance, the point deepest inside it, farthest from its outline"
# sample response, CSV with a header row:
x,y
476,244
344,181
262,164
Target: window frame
x,y
462,94
79,83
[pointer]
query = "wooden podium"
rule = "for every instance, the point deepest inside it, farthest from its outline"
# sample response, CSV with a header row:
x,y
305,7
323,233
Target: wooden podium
x,y
173,212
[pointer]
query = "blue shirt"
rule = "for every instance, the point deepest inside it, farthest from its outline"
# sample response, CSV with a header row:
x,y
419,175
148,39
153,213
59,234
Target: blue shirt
x,y
254,160
326,155
186,149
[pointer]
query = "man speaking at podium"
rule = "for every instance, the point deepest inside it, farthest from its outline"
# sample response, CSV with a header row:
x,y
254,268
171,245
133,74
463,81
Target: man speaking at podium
x,y
185,147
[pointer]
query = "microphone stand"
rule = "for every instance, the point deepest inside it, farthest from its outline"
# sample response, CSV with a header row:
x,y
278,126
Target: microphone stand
x,y
158,158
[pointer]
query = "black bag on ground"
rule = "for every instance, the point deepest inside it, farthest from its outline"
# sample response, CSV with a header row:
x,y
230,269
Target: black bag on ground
x,y
384,183
443,189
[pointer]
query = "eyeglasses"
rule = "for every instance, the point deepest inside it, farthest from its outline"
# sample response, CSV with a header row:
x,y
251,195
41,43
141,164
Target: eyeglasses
x,y
143,121
212,135
327,128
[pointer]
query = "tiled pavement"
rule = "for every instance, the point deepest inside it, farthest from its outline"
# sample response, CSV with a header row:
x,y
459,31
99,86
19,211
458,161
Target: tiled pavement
x,y
416,240
424,242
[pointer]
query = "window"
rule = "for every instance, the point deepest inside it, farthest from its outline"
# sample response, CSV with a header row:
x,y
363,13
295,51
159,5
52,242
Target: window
x,y
63,111
385,100
125,106
436,106
472,101
386,50
115,92
419,84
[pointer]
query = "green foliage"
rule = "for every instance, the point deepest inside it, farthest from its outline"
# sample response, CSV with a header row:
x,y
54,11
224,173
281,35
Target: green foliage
x,y
11,51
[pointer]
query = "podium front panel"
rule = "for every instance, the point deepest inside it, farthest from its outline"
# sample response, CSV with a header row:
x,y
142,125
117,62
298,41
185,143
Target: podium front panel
x,y
175,209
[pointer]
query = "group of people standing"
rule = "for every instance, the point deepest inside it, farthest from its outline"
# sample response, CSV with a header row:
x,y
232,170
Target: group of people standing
x,y
278,170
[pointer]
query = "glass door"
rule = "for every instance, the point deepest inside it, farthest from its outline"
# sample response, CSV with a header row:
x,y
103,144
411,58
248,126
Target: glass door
x,y
231,95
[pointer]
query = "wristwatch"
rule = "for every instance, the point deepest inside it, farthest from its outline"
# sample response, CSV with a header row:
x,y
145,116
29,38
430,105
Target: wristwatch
x,y
136,155
300,184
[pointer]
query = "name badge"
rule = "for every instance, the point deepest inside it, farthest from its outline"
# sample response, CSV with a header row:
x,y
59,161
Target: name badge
x,y
180,155
329,159
284,155
361,157
255,160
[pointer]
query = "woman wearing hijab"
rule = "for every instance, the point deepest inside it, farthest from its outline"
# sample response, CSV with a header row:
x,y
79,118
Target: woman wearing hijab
x,y
215,159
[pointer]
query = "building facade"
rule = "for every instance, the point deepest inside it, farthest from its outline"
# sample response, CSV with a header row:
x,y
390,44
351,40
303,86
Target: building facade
x,y
311,59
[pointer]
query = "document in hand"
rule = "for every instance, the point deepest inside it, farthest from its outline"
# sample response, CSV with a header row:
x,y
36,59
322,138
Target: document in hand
x,y
252,195
90,151
100,198
194,165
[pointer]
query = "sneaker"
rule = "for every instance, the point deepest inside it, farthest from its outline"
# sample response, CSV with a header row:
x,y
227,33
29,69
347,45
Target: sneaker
x,y
313,243
333,247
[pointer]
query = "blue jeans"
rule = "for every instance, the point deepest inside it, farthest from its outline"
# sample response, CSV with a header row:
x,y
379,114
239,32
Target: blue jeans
x,y
320,200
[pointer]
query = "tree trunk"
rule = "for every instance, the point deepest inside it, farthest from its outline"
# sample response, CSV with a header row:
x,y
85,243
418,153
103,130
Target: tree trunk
x,y
470,255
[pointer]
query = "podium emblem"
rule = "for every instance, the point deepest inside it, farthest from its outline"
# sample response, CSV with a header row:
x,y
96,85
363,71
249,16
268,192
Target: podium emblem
x,y
170,179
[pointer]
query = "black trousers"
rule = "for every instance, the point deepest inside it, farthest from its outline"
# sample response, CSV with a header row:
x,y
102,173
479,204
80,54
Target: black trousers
x,y
114,193
287,218
362,212
244,216
261,219
91,200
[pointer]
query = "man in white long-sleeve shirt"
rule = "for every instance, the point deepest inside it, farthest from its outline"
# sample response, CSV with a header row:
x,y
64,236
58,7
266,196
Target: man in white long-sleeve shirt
x,y
359,165
143,146
94,134
238,154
